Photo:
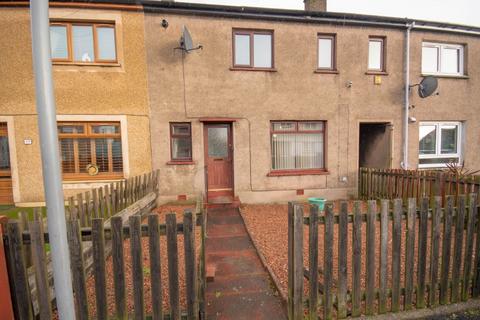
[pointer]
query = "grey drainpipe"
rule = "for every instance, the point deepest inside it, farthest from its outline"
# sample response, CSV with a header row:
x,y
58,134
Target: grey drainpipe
x,y
404,163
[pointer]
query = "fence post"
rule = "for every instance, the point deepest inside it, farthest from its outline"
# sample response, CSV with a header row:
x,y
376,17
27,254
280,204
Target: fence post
x,y
384,225
458,245
328,263
290,261
361,183
39,263
6,307
410,252
78,272
342,260
172,252
472,220
189,251
295,262
435,250
155,266
446,249
313,262
370,257
19,271
396,251
439,178
476,268
357,256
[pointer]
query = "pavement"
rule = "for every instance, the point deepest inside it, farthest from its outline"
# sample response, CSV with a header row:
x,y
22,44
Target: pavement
x,y
241,287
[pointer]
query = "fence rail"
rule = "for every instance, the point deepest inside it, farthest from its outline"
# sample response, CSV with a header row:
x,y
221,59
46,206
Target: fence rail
x,y
405,184
399,256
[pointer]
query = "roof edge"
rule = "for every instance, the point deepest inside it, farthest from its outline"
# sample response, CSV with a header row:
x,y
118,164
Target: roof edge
x,y
300,16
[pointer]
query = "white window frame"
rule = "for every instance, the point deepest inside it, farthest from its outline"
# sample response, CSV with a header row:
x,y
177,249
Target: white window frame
x,y
383,57
440,47
438,154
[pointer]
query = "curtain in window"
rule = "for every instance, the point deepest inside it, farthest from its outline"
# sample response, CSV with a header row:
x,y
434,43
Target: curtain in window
x,y
297,151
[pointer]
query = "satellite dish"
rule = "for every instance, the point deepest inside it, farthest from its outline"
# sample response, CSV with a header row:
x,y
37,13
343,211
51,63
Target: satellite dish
x,y
427,86
186,42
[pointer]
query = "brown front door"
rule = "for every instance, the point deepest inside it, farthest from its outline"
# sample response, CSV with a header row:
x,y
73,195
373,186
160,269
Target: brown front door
x,y
6,196
219,161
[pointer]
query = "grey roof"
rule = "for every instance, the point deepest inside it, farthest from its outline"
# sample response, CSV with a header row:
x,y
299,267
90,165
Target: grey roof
x,y
280,14
291,15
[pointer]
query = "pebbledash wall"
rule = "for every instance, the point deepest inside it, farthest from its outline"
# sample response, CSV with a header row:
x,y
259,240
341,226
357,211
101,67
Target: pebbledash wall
x,y
83,93
204,85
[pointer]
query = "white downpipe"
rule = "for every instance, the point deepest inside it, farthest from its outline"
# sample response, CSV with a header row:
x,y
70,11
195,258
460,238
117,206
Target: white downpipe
x,y
404,163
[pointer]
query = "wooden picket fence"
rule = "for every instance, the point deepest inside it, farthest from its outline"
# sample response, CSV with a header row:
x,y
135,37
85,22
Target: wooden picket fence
x,y
427,275
110,199
103,235
135,195
399,183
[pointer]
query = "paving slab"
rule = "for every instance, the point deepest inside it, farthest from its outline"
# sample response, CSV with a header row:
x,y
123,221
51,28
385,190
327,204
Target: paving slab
x,y
242,288
235,243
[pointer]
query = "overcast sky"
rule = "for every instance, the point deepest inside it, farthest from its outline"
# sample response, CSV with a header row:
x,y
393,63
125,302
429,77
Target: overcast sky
x,y
454,11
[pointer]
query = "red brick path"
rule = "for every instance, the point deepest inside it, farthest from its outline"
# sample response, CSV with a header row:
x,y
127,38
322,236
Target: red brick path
x,y
241,288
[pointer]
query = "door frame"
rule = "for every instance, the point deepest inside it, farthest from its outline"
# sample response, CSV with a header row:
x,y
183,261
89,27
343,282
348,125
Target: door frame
x,y
9,120
380,121
205,152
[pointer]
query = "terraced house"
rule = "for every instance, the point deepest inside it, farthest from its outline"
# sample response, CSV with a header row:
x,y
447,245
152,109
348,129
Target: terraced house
x,y
272,105
99,69
280,104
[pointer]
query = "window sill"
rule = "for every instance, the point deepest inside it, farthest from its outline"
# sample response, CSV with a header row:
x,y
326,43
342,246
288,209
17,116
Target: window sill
x,y
92,179
435,166
376,73
448,76
283,173
180,163
79,64
327,71
253,69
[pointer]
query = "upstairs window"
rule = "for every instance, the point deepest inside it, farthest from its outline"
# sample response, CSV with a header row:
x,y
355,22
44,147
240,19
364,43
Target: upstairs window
x,y
181,141
439,143
90,149
442,59
298,145
376,54
83,43
253,49
326,52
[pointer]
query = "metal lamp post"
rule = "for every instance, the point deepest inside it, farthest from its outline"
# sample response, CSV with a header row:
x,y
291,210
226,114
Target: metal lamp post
x,y
52,180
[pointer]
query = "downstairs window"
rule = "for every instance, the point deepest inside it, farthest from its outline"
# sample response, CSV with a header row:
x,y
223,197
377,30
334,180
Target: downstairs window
x,y
439,144
298,145
90,150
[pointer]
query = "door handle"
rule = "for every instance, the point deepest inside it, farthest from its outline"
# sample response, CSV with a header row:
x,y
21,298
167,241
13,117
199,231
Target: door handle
x,y
218,159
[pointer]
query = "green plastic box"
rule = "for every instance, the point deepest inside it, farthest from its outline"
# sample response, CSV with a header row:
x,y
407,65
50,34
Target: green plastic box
x,y
320,202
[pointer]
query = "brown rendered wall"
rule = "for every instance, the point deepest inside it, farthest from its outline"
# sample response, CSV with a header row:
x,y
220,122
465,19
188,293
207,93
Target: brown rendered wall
x,y
293,92
82,92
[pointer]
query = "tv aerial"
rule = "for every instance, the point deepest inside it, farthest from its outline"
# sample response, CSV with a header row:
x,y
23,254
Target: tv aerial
x,y
186,42
427,86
